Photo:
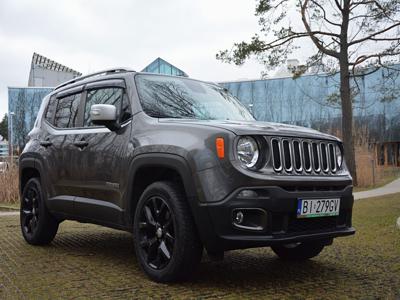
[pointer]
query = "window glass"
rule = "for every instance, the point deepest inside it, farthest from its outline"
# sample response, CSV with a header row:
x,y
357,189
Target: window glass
x,y
126,112
111,96
173,97
67,111
51,107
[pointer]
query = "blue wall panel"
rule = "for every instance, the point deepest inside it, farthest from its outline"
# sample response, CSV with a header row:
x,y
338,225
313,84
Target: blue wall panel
x,y
25,104
312,101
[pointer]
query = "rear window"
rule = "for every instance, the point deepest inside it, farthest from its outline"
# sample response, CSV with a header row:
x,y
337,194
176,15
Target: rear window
x,y
67,111
51,108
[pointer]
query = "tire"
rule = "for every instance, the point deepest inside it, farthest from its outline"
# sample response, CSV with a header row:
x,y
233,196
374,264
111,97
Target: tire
x,y
38,226
298,251
164,227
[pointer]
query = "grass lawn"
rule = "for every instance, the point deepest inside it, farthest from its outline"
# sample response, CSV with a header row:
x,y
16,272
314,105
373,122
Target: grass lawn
x,y
88,261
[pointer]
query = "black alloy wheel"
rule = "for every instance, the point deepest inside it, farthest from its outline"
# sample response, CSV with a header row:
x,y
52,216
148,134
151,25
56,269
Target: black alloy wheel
x,y
38,226
167,244
30,210
156,232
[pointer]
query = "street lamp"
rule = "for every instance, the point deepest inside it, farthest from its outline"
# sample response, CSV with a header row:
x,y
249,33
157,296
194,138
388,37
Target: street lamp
x,y
11,137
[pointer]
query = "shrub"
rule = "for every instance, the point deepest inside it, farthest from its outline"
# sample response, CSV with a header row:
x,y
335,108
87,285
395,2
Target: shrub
x,y
9,185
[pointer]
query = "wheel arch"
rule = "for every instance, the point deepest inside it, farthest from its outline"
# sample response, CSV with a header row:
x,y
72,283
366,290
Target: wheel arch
x,y
27,170
30,167
148,168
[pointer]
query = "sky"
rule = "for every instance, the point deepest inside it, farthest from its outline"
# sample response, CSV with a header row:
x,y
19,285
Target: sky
x,y
93,35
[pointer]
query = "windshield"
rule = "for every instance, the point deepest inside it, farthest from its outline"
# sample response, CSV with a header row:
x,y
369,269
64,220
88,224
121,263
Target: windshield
x,y
172,97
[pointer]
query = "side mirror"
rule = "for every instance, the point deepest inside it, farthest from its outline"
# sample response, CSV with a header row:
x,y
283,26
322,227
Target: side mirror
x,y
106,115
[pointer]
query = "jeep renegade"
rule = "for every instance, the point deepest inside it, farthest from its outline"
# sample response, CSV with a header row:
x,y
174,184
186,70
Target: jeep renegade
x,y
182,165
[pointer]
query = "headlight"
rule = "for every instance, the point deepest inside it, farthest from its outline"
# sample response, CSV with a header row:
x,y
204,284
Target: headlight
x,y
247,151
339,156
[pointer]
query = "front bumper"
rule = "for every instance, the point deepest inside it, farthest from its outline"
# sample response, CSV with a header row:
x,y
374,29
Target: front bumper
x,y
281,225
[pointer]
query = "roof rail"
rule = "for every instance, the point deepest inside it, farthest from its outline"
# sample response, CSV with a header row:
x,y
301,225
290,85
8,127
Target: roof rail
x,y
103,72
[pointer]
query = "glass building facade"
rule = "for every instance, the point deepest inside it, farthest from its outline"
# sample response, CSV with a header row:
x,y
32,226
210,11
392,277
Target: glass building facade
x,y
161,66
3,148
313,101
23,106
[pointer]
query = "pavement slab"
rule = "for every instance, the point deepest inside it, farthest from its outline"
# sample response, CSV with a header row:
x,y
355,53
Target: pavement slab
x,y
91,262
9,213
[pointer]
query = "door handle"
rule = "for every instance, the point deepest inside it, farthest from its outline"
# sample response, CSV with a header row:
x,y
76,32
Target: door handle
x,y
45,143
81,144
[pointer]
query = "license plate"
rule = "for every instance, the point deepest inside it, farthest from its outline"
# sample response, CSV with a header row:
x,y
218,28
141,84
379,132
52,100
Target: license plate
x,y
313,208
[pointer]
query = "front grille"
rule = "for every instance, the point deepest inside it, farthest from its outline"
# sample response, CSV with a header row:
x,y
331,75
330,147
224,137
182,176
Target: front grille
x,y
303,156
311,224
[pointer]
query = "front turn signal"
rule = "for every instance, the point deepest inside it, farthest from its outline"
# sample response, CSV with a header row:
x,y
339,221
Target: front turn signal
x,y
220,145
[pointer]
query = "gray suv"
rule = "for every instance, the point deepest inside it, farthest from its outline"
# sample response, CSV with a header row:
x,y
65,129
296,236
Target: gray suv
x,y
182,165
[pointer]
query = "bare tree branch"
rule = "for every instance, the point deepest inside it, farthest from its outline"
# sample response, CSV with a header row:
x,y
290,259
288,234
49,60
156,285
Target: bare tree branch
x,y
338,5
374,34
314,39
363,58
324,12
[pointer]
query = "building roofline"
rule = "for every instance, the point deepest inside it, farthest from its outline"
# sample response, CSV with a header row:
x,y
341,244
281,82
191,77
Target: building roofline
x,y
43,62
322,74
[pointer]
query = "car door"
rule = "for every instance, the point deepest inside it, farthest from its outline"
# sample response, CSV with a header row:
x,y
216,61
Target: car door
x,y
103,159
60,127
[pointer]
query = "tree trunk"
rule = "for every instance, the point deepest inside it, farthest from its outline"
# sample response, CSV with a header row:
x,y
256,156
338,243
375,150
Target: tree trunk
x,y
345,94
347,119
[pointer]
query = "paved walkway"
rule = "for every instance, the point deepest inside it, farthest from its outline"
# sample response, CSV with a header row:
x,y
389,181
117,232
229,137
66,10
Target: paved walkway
x,y
9,213
390,188
92,262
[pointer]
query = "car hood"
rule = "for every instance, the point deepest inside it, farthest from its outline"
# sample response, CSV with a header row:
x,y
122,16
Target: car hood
x,y
256,128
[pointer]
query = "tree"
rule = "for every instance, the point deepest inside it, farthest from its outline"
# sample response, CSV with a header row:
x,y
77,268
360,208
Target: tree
x,y
352,37
4,127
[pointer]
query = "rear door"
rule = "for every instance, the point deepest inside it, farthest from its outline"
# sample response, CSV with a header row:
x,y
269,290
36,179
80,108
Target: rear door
x,y
61,123
103,158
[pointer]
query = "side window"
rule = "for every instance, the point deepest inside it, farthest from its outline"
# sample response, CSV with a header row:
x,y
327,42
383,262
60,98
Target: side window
x,y
126,112
51,107
112,96
67,111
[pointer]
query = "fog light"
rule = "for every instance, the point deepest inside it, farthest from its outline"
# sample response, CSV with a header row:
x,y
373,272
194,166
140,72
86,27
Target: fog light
x,y
239,217
249,218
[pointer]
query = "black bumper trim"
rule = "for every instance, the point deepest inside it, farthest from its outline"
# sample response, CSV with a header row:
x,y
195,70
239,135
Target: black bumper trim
x,y
280,206
240,241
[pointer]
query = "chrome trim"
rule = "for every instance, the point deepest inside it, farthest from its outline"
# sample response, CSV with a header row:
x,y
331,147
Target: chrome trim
x,y
256,228
322,149
273,156
326,170
334,169
308,170
290,155
298,170
317,170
